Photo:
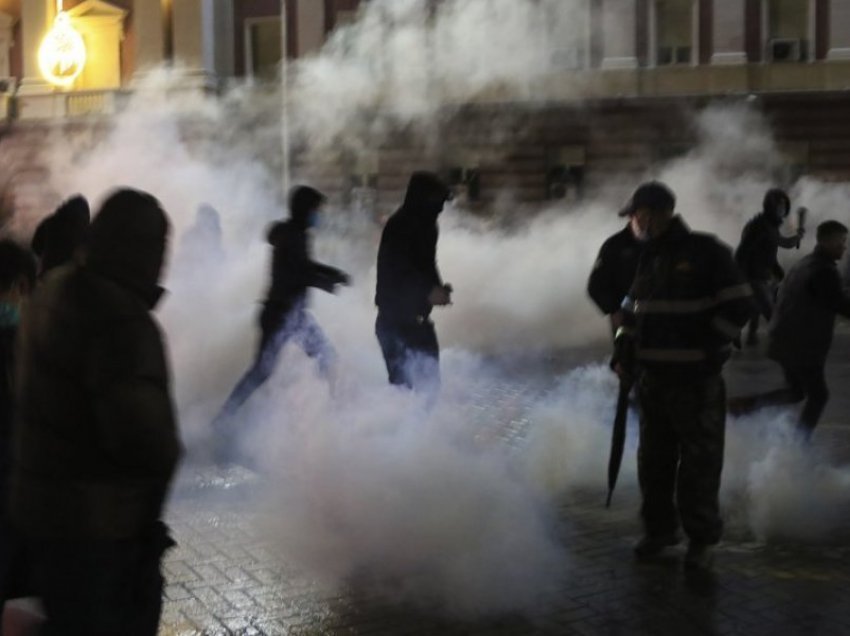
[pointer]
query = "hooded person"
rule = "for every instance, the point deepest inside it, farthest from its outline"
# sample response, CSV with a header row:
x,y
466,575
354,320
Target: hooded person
x,y
756,255
285,316
92,464
59,236
409,285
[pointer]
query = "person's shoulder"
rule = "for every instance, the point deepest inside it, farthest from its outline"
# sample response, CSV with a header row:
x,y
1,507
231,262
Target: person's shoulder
x,y
618,241
707,243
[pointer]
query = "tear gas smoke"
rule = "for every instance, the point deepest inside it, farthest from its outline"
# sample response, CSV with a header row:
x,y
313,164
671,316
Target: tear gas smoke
x,y
372,486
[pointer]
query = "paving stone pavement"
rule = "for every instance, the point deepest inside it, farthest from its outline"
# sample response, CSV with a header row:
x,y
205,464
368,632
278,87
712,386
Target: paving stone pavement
x,y
223,578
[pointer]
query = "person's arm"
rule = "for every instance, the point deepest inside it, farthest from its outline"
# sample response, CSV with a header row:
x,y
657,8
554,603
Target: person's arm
x,y
826,288
602,283
134,419
732,295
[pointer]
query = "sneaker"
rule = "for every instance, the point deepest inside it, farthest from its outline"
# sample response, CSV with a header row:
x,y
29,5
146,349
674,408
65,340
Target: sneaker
x,y
699,557
650,546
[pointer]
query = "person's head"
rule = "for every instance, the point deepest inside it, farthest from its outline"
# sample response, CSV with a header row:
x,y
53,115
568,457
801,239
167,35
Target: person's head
x,y
128,242
58,237
305,204
17,272
650,210
426,195
832,239
776,204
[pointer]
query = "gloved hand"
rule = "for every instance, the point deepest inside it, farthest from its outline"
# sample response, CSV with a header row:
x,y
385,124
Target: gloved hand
x,y
623,361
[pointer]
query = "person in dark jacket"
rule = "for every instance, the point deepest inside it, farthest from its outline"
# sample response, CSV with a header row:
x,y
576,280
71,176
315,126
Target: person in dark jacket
x,y
409,285
17,279
59,236
615,267
756,255
96,441
284,316
687,304
801,331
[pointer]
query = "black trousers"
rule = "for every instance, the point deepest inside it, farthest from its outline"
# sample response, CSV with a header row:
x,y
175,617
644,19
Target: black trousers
x,y
804,382
100,588
411,352
680,458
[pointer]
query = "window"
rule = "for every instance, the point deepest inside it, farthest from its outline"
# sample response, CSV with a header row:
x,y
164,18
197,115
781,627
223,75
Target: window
x,y
787,24
263,48
568,27
674,32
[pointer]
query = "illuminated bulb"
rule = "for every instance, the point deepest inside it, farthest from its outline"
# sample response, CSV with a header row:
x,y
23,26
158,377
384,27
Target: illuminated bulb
x,y
62,54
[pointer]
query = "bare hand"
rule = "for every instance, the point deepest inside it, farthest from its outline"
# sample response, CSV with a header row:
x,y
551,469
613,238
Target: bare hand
x,y
440,296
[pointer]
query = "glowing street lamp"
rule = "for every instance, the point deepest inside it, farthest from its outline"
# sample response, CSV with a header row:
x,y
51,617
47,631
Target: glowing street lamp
x,y
62,54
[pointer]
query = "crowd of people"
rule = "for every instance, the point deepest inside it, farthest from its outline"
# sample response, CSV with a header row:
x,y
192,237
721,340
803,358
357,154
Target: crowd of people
x,y
89,441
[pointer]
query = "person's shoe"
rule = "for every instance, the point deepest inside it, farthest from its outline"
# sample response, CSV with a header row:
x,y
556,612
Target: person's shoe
x,y
651,546
699,557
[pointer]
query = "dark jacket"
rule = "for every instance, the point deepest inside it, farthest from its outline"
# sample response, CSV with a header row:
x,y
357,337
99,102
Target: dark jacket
x,y
760,243
7,339
614,270
96,438
804,319
293,271
686,305
407,256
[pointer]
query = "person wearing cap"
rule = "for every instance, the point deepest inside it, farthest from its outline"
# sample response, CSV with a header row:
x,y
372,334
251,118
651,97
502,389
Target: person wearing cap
x,y
409,286
615,267
756,255
687,303
285,316
96,441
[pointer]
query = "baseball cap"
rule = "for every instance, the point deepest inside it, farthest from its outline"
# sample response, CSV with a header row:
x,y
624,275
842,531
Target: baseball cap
x,y
653,195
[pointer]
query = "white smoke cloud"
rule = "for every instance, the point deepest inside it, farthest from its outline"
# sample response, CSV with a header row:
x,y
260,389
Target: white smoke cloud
x,y
368,483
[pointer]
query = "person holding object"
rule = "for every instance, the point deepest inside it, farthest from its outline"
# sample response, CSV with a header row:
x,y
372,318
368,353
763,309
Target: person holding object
x,y
409,286
756,254
687,304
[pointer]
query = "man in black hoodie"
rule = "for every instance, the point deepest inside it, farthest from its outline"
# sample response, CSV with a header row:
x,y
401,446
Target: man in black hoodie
x,y
285,316
96,442
756,255
409,285
58,237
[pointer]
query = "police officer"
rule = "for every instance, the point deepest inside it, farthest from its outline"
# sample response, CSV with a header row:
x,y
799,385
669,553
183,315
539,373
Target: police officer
x,y
803,323
615,267
687,303
756,255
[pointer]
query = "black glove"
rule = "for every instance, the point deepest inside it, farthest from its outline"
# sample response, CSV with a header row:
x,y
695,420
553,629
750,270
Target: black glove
x,y
623,361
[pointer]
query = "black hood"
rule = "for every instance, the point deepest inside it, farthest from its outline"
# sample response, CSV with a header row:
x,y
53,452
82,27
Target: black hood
x,y
772,200
426,195
127,242
58,236
303,200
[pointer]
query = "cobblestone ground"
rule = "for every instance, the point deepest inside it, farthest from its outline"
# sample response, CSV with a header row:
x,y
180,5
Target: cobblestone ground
x,y
222,579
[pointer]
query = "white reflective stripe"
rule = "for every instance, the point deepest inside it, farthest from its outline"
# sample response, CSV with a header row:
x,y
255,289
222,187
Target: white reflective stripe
x,y
671,355
624,331
725,327
736,291
673,306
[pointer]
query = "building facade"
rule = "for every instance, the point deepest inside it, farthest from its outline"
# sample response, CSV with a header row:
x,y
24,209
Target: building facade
x,y
641,64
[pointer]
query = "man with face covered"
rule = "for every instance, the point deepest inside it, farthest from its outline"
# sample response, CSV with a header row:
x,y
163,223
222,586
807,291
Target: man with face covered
x,y
96,434
687,303
756,255
409,285
285,317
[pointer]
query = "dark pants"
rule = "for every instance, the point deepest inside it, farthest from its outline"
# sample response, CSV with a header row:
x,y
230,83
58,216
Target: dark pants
x,y
804,382
682,433
278,326
411,352
100,588
764,298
